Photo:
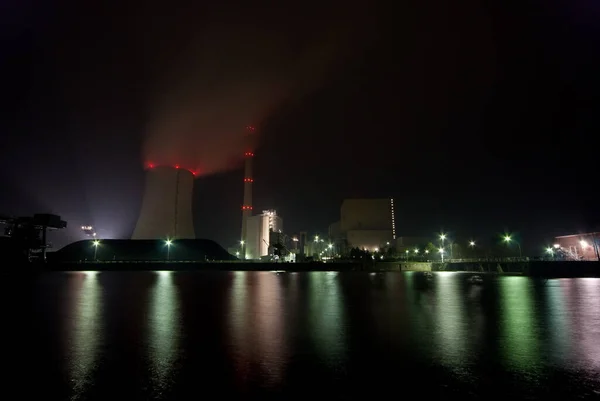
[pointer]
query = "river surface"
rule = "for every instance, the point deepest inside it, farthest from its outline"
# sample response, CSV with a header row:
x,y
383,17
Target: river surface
x,y
324,335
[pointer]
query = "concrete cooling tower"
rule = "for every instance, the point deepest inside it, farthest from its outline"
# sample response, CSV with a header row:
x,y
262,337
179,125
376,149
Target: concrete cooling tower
x,y
167,204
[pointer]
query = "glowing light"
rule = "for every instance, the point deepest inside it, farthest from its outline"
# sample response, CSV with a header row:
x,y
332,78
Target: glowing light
x,y
441,250
96,243
164,330
584,244
507,238
471,243
550,250
443,237
84,336
556,246
168,242
519,341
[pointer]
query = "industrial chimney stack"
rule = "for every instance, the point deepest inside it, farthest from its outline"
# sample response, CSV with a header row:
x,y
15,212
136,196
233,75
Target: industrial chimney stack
x,y
248,180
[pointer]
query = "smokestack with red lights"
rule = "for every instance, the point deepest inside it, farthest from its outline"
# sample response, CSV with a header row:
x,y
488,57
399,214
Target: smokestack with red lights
x,y
248,180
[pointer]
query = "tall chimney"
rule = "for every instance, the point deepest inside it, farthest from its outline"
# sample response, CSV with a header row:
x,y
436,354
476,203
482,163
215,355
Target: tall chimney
x,y
248,180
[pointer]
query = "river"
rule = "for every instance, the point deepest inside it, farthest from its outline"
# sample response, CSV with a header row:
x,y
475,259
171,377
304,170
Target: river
x,y
326,335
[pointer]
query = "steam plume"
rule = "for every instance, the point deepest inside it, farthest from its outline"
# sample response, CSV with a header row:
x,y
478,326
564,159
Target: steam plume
x,y
236,73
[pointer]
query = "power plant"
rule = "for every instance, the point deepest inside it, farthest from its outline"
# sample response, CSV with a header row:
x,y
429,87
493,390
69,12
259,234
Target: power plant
x,y
167,204
248,180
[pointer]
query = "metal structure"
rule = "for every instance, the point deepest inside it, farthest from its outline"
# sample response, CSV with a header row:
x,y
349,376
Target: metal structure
x,y
248,181
167,204
31,233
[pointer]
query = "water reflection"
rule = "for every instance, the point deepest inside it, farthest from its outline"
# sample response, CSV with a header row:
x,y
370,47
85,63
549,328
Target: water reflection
x,y
164,323
557,314
256,320
585,330
326,315
451,332
86,330
519,340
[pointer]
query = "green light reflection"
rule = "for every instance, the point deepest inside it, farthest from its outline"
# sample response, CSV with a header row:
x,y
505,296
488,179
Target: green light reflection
x,y
519,339
327,316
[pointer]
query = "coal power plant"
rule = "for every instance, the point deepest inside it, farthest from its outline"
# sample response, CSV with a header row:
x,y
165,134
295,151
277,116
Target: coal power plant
x,y
166,211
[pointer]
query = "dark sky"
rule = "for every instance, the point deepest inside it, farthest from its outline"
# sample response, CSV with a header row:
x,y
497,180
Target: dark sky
x,y
477,116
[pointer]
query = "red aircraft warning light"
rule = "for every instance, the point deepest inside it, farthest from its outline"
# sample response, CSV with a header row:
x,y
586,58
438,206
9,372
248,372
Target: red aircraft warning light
x,y
177,166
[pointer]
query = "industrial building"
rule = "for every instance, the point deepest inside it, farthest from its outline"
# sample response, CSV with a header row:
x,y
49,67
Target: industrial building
x,y
262,232
364,223
578,246
167,204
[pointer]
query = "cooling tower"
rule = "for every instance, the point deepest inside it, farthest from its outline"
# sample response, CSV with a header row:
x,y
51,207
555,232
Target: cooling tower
x,y
167,205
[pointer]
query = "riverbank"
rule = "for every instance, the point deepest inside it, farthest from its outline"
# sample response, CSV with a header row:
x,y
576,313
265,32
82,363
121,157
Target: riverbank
x,y
532,268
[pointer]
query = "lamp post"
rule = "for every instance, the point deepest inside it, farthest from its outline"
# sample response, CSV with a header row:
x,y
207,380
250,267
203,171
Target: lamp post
x,y
508,239
95,243
168,243
442,239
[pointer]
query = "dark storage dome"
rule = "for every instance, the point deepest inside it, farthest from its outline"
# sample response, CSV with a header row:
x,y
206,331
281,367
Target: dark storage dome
x,y
198,250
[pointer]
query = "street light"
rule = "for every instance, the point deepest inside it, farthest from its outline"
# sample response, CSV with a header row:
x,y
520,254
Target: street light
x,y
471,244
550,251
508,239
168,243
95,244
442,239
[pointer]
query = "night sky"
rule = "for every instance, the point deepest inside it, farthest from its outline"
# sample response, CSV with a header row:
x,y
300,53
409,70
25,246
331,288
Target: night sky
x,y
478,117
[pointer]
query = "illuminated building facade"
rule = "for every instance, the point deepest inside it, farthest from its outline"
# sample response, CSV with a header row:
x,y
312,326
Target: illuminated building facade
x,y
578,246
258,234
167,204
365,223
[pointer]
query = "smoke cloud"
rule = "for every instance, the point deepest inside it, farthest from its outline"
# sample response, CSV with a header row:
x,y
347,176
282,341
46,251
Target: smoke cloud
x,y
236,72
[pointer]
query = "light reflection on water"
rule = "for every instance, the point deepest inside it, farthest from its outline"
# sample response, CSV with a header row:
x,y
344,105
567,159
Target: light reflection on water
x,y
585,327
257,328
451,332
86,330
164,322
327,317
519,342
278,328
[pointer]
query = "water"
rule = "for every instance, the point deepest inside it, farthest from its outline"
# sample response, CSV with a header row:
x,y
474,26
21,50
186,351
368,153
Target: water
x,y
325,335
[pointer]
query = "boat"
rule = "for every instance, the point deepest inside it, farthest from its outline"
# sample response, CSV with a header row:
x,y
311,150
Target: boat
x,y
476,280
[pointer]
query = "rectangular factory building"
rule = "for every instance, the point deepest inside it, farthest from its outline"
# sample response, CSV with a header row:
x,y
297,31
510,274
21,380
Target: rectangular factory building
x,y
365,223
258,235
